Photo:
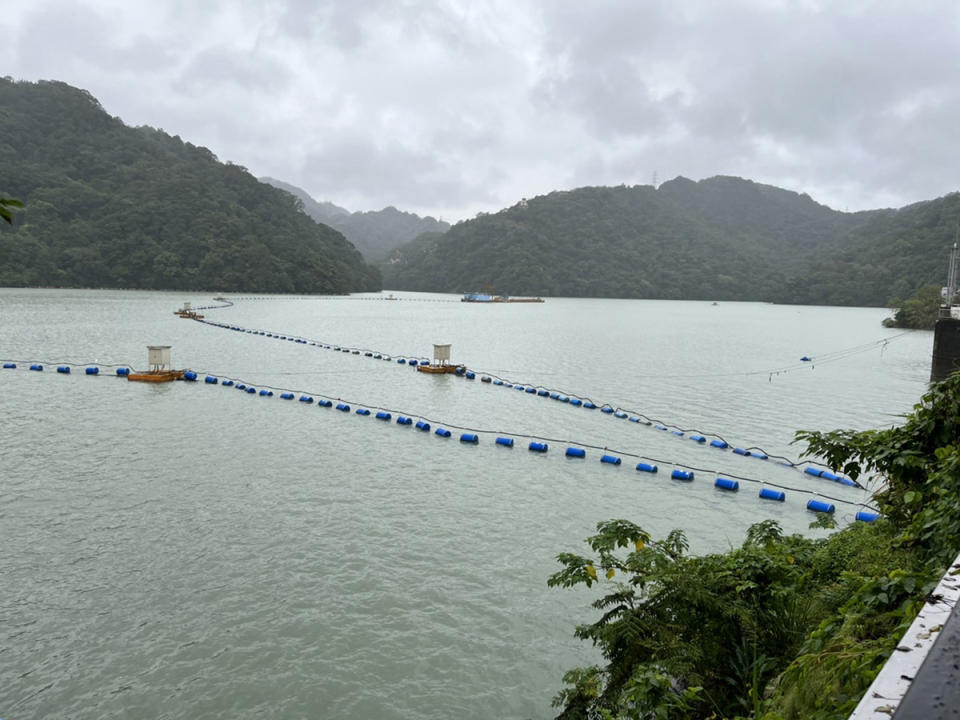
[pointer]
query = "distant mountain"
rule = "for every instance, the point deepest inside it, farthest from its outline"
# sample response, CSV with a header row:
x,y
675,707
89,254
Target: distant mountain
x,y
107,205
723,238
374,233
322,212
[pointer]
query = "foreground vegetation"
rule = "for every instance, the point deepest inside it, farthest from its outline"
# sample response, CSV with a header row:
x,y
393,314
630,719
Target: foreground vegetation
x,y
784,627
107,205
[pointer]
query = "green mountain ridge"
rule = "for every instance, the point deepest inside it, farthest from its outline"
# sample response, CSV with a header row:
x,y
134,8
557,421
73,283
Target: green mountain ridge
x,y
723,238
108,205
375,232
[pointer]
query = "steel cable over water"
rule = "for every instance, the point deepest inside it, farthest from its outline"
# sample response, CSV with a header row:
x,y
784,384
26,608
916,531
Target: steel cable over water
x,y
537,442
586,401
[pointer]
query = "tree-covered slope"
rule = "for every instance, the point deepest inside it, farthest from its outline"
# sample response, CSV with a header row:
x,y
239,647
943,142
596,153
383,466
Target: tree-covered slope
x,y
723,238
107,205
892,255
376,232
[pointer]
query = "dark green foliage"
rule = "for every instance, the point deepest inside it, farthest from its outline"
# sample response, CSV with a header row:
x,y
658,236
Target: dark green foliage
x,y
5,205
893,254
919,312
723,238
782,628
108,205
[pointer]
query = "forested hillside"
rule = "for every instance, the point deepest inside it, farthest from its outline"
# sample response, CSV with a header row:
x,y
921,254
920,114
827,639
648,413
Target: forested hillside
x,y
374,233
722,239
107,205
892,256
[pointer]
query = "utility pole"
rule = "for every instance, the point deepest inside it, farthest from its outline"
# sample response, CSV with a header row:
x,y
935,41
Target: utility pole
x,y
952,276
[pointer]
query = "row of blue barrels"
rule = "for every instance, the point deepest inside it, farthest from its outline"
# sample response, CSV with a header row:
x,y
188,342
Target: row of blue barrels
x,y
66,369
619,413
413,362
530,389
555,395
688,475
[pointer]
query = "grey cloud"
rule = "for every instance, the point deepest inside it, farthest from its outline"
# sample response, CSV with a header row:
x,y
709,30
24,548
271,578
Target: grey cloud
x,y
448,107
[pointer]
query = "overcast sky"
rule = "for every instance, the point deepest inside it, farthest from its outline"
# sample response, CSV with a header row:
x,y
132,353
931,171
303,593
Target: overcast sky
x,y
448,108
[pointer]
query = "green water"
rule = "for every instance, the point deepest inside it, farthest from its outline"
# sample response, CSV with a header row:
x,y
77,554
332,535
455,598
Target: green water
x,y
189,550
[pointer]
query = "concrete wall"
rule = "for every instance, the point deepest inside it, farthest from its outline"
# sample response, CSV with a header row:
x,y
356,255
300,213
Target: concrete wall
x,y
946,349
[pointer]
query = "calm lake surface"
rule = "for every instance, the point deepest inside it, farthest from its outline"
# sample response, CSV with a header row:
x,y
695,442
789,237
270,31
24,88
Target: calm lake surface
x,y
191,550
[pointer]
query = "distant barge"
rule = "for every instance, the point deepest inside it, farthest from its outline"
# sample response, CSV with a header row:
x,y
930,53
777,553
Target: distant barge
x,y
484,298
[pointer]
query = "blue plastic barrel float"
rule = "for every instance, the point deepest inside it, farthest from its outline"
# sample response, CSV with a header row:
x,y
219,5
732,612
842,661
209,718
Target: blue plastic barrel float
x,y
306,399
37,366
363,411
698,438
123,371
771,494
471,375
576,452
286,396
576,402
65,369
266,393
227,383
442,432
404,420
722,444
620,414
554,396
413,363
401,361
381,415
469,438
539,447
726,484
610,459
740,451
498,382
759,455
325,403
9,366
868,517
505,441
209,379
682,474
816,472
189,375
820,506
646,467
421,425
251,390
658,426
343,407
531,390
543,393
606,409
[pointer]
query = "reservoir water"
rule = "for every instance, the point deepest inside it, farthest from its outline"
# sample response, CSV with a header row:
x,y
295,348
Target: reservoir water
x,y
191,550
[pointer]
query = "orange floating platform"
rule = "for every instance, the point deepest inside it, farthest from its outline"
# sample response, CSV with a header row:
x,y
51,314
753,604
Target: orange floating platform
x,y
157,376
